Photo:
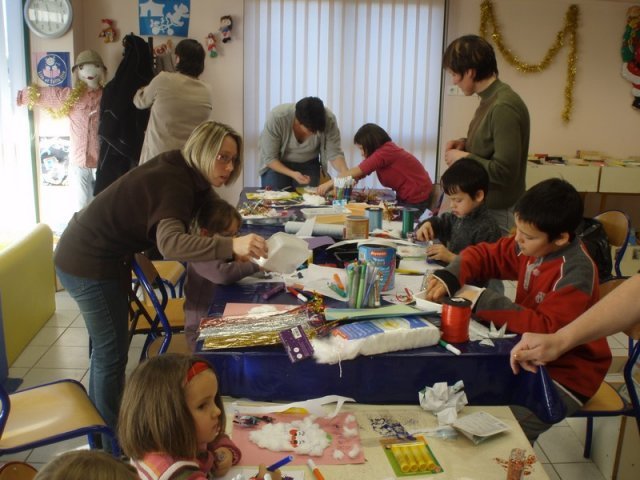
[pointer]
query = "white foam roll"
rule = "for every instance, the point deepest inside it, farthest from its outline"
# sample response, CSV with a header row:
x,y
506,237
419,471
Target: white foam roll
x,y
319,229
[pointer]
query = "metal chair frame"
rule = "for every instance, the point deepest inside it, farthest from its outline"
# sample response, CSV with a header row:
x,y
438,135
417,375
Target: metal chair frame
x,y
150,281
630,408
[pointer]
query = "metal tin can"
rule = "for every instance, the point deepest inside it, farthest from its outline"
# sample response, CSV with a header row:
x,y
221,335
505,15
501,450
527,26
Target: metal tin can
x,y
382,257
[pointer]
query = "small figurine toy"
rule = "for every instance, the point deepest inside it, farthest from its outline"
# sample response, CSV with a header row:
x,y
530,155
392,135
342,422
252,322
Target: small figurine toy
x,y
109,32
211,45
226,25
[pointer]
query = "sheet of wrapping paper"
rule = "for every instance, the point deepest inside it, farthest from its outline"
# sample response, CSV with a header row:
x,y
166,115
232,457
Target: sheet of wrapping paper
x,y
238,328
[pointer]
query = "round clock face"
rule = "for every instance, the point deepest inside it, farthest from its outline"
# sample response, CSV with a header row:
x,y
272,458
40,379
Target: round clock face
x,y
48,18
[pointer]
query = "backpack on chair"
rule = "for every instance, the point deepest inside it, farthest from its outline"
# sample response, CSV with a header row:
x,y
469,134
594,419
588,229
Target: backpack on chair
x,y
592,234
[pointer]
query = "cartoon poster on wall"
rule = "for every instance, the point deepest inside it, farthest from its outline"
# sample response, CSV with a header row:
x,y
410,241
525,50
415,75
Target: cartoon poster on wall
x,y
164,17
52,68
54,160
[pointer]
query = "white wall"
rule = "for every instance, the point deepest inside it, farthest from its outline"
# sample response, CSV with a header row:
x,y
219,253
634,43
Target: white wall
x,y
224,73
602,119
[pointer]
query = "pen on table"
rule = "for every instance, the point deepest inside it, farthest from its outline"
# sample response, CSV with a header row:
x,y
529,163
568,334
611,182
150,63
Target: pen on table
x,y
336,278
272,291
404,271
315,470
280,463
449,347
297,294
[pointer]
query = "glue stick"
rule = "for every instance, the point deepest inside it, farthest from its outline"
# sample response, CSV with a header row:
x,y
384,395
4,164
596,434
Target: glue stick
x,y
413,461
419,452
401,457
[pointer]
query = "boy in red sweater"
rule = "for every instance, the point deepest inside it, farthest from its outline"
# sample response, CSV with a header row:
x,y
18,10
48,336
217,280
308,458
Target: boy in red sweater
x,y
557,281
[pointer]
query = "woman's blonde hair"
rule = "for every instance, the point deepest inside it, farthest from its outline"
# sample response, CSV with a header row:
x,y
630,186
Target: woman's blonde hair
x,y
203,145
154,415
84,464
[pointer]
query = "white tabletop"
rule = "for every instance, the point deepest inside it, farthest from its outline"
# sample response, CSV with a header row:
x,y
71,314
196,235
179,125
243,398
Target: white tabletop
x,y
459,458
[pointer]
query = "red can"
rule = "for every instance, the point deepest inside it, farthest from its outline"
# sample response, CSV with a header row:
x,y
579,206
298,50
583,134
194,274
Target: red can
x,y
456,315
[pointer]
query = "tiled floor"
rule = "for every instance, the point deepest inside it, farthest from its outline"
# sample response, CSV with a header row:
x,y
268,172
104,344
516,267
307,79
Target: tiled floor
x,y
60,351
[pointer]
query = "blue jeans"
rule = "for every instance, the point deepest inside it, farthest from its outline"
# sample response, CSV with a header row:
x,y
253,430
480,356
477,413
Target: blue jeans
x,y
278,181
104,307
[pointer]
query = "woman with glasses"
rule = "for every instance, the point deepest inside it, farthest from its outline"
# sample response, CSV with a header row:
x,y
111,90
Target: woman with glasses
x,y
179,101
152,205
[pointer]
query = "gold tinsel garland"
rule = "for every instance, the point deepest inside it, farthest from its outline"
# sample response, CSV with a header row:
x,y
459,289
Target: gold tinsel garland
x,y
569,29
33,95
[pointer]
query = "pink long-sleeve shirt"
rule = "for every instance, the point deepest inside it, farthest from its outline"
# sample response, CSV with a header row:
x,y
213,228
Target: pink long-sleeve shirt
x,y
83,120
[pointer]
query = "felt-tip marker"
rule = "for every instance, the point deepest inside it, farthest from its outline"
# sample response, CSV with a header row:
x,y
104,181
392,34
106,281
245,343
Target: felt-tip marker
x,y
273,291
315,470
449,347
297,294
280,463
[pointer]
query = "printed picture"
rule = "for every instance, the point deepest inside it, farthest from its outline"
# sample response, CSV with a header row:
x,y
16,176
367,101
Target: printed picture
x,y
164,17
54,160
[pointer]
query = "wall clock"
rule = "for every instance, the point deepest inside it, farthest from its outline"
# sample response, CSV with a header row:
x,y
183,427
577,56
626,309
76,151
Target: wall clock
x,y
48,18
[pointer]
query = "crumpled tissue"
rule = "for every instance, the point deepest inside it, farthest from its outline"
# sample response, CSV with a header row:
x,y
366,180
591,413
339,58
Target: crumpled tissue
x,y
444,401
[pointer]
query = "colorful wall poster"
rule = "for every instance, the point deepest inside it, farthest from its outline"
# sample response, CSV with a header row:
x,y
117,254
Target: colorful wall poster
x,y
164,17
52,68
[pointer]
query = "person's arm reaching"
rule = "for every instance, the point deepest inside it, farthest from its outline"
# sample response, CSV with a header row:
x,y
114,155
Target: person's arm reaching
x,y
340,165
174,243
618,311
354,172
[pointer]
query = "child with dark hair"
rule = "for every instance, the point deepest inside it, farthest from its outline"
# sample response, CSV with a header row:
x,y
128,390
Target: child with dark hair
x,y
466,183
556,282
297,143
179,101
215,216
172,421
395,167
